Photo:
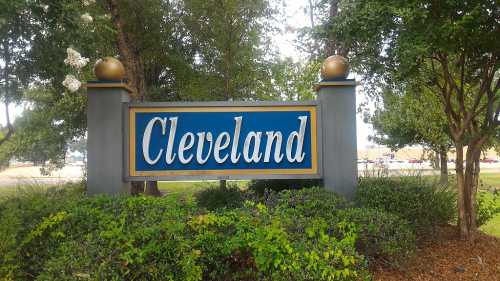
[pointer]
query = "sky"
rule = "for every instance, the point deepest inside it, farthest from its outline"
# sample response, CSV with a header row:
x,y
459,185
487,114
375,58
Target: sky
x,y
295,17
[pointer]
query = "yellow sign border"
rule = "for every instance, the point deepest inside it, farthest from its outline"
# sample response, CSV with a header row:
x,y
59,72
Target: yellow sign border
x,y
225,172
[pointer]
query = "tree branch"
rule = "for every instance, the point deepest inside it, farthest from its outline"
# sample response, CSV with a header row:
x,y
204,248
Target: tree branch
x,y
451,81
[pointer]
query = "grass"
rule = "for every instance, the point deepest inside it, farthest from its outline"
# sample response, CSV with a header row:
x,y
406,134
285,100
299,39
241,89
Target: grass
x,y
492,227
487,180
490,180
9,192
183,189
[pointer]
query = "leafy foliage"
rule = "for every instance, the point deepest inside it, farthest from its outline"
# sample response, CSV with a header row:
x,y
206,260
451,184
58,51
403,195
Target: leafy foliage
x,y
216,198
488,205
133,238
412,118
251,244
423,204
307,234
138,238
382,236
22,213
276,185
310,202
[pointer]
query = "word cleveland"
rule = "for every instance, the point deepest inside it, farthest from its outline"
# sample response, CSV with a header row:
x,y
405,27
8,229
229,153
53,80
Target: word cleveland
x,y
224,147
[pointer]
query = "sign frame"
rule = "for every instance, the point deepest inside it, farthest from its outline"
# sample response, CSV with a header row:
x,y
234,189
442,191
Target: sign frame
x,y
230,174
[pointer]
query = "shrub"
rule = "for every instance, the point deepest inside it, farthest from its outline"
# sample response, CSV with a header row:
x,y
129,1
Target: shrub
x,y
488,205
112,238
147,238
252,244
310,202
216,198
22,212
423,204
382,236
259,186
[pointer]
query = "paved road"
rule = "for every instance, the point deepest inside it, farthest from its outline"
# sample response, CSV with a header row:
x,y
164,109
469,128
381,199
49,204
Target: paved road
x,y
30,175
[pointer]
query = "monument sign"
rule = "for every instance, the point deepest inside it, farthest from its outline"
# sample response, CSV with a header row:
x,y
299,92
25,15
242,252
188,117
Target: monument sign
x,y
131,141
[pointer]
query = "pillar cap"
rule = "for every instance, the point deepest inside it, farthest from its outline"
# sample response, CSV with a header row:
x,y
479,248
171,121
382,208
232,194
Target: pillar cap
x,y
336,83
334,67
108,84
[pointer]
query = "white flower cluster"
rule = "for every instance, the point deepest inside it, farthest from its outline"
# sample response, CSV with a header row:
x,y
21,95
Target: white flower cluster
x,y
75,59
87,3
71,83
86,18
45,8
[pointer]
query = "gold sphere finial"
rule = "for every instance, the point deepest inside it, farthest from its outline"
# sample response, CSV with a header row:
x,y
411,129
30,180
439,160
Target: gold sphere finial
x,y
109,68
334,67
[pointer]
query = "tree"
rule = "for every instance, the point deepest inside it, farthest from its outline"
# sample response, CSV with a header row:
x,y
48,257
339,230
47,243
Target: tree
x,y
293,81
37,33
231,42
14,38
449,48
317,39
413,118
165,56
129,17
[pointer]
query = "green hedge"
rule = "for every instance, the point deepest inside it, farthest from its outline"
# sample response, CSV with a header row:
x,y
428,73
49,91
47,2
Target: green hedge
x,y
215,198
21,213
143,238
307,234
380,236
423,204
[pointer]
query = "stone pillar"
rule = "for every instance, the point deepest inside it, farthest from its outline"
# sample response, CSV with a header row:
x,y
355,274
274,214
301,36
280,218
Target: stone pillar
x,y
105,138
106,126
337,96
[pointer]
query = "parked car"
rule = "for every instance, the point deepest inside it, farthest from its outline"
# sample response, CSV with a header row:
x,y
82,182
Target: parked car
x,y
488,160
415,161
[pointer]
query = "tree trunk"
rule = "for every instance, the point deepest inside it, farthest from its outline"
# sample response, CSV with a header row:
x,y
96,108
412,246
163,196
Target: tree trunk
x,y
134,68
311,13
443,165
137,187
459,169
331,47
223,184
467,183
152,188
129,54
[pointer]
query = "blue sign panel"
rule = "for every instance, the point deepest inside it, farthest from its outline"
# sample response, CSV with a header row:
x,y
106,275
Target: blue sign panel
x,y
219,141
